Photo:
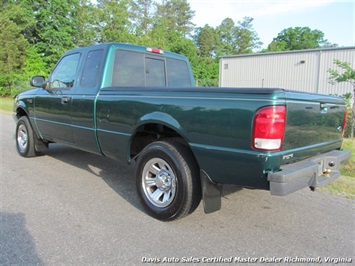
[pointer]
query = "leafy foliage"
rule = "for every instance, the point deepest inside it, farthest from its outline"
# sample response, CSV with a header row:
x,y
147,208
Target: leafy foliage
x,y
237,39
142,16
54,31
346,74
207,41
177,15
35,34
298,38
114,21
87,26
13,47
246,38
207,72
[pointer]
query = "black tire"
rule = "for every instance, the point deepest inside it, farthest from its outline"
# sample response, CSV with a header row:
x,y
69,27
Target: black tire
x,y
25,139
167,180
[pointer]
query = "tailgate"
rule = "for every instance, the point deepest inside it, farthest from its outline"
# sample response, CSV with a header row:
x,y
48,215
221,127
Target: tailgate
x,y
314,124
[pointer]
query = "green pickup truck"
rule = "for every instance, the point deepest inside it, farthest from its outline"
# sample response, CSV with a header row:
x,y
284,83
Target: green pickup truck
x,y
134,103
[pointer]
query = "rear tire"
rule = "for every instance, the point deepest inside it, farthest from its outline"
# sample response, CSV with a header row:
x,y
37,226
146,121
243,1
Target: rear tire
x,y
167,180
25,139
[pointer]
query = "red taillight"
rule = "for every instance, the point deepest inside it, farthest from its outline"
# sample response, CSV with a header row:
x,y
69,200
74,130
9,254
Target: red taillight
x,y
345,121
154,50
269,128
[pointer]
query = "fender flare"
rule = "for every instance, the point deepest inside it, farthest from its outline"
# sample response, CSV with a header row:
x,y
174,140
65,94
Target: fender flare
x,y
21,108
162,119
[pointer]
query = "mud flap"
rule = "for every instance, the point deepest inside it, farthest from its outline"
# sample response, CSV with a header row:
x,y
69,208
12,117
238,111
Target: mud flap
x,y
40,146
211,193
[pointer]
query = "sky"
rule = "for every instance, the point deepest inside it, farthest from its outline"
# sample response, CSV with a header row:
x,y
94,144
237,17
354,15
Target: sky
x,y
335,18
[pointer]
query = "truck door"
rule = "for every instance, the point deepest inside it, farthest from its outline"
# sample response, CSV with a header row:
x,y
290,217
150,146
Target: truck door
x,y
53,106
83,102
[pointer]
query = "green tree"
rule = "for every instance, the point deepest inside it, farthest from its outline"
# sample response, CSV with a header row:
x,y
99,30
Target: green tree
x,y
54,30
206,72
345,74
114,21
142,16
237,39
160,35
227,33
298,38
207,41
87,26
13,46
278,46
19,13
170,26
246,37
33,65
177,15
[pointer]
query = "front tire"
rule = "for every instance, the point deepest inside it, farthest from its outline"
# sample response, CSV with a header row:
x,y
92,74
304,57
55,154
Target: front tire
x,y
25,139
167,180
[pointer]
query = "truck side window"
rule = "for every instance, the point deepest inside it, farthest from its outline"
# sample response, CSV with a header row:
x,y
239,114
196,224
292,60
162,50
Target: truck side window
x,y
178,73
128,69
91,68
63,75
155,72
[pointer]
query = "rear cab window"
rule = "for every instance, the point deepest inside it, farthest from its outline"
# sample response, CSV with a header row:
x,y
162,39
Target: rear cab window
x,y
178,73
137,69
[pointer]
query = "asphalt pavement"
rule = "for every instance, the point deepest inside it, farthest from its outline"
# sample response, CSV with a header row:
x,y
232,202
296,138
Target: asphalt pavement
x,y
69,207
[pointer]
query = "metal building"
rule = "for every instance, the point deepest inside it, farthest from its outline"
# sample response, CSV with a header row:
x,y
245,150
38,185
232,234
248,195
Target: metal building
x,y
305,70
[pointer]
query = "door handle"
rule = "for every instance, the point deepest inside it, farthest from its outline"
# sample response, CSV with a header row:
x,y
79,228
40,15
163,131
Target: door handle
x,y
65,100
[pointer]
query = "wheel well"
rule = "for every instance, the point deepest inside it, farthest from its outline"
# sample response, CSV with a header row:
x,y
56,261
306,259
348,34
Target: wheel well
x,y
20,112
149,133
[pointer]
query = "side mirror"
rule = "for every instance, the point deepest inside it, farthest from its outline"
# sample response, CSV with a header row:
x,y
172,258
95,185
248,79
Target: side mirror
x,y
38,81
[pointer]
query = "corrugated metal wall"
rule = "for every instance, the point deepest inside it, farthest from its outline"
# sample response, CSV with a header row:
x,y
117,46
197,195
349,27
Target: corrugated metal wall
x,y
297,70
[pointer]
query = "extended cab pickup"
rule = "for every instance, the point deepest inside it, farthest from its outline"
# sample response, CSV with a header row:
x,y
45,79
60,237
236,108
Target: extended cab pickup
x,y
134,103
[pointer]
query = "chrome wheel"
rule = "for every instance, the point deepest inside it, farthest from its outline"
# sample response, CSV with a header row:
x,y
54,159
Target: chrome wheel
x,y
159,182
167,180
25,138
22,138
